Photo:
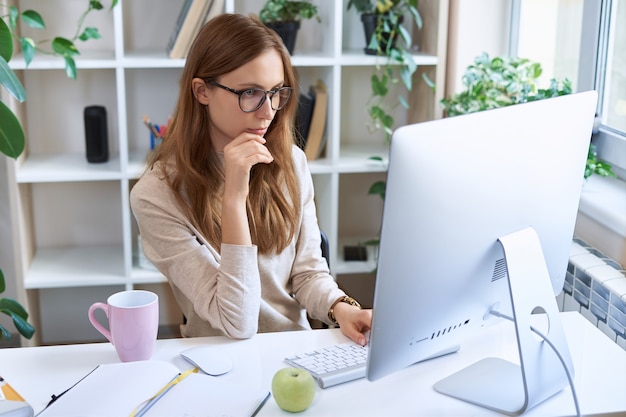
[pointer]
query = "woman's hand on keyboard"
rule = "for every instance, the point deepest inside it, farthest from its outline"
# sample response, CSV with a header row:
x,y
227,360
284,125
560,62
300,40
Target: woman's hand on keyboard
x,y
353,322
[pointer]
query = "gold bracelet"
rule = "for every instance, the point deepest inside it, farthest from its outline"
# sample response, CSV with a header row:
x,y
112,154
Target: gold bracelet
x,y
344,299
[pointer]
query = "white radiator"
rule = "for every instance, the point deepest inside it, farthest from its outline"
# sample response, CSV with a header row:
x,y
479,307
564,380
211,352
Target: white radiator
x,y
595,286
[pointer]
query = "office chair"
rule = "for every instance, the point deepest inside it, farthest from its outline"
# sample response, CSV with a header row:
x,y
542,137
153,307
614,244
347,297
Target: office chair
x,y
325,247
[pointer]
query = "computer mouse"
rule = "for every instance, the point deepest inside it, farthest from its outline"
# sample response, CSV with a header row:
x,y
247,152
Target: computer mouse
x,y
210,360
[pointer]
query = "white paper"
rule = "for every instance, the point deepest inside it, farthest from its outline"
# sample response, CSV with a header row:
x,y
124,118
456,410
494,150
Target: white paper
x,y
113,390
201,395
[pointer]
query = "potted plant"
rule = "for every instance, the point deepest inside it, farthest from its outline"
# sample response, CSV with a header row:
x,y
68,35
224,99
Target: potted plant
x,y
284,17
18,314
504,81
386,36
12,140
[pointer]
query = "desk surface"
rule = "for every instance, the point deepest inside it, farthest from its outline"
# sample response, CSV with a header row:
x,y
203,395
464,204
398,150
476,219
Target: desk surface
x,y
600,372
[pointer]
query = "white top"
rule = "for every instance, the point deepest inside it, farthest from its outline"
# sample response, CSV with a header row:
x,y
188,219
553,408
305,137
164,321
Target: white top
x,y
237,292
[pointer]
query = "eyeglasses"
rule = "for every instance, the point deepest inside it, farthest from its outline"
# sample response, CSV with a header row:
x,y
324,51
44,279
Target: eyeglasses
x,y
251,99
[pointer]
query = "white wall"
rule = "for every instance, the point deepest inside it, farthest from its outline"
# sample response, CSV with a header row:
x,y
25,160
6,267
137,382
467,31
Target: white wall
x,y
476,26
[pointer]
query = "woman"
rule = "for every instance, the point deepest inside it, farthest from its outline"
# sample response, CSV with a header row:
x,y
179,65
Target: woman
x,y
226,209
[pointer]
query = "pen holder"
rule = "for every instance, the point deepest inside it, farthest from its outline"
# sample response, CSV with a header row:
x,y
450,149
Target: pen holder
x,y
154,139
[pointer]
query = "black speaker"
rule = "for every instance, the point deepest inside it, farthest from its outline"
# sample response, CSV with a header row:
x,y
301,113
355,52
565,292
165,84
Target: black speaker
x,y
96,134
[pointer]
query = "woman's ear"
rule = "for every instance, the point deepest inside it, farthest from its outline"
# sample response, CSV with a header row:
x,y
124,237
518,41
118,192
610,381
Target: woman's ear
x,y
200,91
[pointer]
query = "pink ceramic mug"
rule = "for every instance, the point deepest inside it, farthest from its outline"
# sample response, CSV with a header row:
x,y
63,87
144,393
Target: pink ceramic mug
x,y
133,318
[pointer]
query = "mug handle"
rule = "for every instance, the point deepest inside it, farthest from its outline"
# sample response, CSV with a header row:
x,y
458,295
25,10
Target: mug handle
x,y
95,323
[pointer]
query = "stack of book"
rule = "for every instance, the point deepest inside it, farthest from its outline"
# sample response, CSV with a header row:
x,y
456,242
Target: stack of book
x,y
311,120
193,15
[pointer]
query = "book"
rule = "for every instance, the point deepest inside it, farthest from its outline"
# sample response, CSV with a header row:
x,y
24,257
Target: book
x,y
11,403
184,11
317,130
154,388
306,102
217,7
213,8
188,24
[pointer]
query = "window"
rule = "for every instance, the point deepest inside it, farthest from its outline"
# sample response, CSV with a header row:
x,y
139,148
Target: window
x,y
581,40
614,100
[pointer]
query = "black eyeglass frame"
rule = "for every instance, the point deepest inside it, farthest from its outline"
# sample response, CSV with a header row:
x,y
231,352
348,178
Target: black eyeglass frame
x,y
265,93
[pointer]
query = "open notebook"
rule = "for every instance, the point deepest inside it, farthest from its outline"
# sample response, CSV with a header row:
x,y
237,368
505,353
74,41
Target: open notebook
x,y
125,389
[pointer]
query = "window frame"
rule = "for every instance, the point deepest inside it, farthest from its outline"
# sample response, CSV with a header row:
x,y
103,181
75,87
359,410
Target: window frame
x,y
610,143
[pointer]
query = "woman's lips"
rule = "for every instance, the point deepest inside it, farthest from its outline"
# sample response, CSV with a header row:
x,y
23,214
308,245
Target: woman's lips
x,y
259,132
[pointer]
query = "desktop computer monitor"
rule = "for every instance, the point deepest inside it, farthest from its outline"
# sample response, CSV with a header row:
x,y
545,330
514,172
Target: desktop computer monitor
x,y
480,210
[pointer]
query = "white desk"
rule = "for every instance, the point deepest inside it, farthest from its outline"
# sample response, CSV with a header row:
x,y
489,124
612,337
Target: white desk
x,y
600,367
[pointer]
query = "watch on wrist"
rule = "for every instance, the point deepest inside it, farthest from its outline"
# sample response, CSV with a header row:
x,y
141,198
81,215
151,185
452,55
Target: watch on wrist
x,y
344,299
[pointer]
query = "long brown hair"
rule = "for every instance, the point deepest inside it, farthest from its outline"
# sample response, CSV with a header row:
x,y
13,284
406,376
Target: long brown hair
x,y
224,44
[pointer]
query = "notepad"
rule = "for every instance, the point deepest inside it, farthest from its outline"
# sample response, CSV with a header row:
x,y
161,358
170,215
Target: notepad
x,y
205,395
11,403
118,389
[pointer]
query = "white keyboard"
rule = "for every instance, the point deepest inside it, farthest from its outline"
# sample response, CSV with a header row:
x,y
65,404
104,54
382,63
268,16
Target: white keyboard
x,y
334,364
341,363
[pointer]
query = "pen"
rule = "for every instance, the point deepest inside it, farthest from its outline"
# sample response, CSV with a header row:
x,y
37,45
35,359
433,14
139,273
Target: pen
x,y
162,392
151,127
267,397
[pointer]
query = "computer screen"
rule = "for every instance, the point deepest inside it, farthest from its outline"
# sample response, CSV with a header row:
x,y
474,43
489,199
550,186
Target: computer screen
x,y
457,189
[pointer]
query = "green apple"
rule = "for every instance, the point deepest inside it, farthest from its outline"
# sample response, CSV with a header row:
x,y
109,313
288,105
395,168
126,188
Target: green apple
x,y
293,389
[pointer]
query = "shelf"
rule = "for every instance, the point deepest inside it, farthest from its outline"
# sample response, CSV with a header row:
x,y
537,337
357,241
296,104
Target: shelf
x,y
67,168
150,59
140,275
76,267
354,267
136,164
72,222
87,60
354,159
158,59
356,57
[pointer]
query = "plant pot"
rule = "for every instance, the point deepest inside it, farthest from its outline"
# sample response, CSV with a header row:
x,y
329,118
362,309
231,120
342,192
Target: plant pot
x,y
370,20
288,31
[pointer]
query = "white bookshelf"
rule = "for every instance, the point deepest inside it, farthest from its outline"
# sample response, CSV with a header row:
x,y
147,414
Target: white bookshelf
x,y
72,225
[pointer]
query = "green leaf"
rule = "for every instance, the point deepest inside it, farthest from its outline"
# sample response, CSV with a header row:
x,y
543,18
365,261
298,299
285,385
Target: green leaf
x,y
378,188
28,49
11,134
13,15
65,47
6,41
406,72
12,308
95,4
70,67
9,305
33,19
379,85
416,15
89,33
371,242
429,82
10,81
404,33
403,102
5,333
22,326
3,286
